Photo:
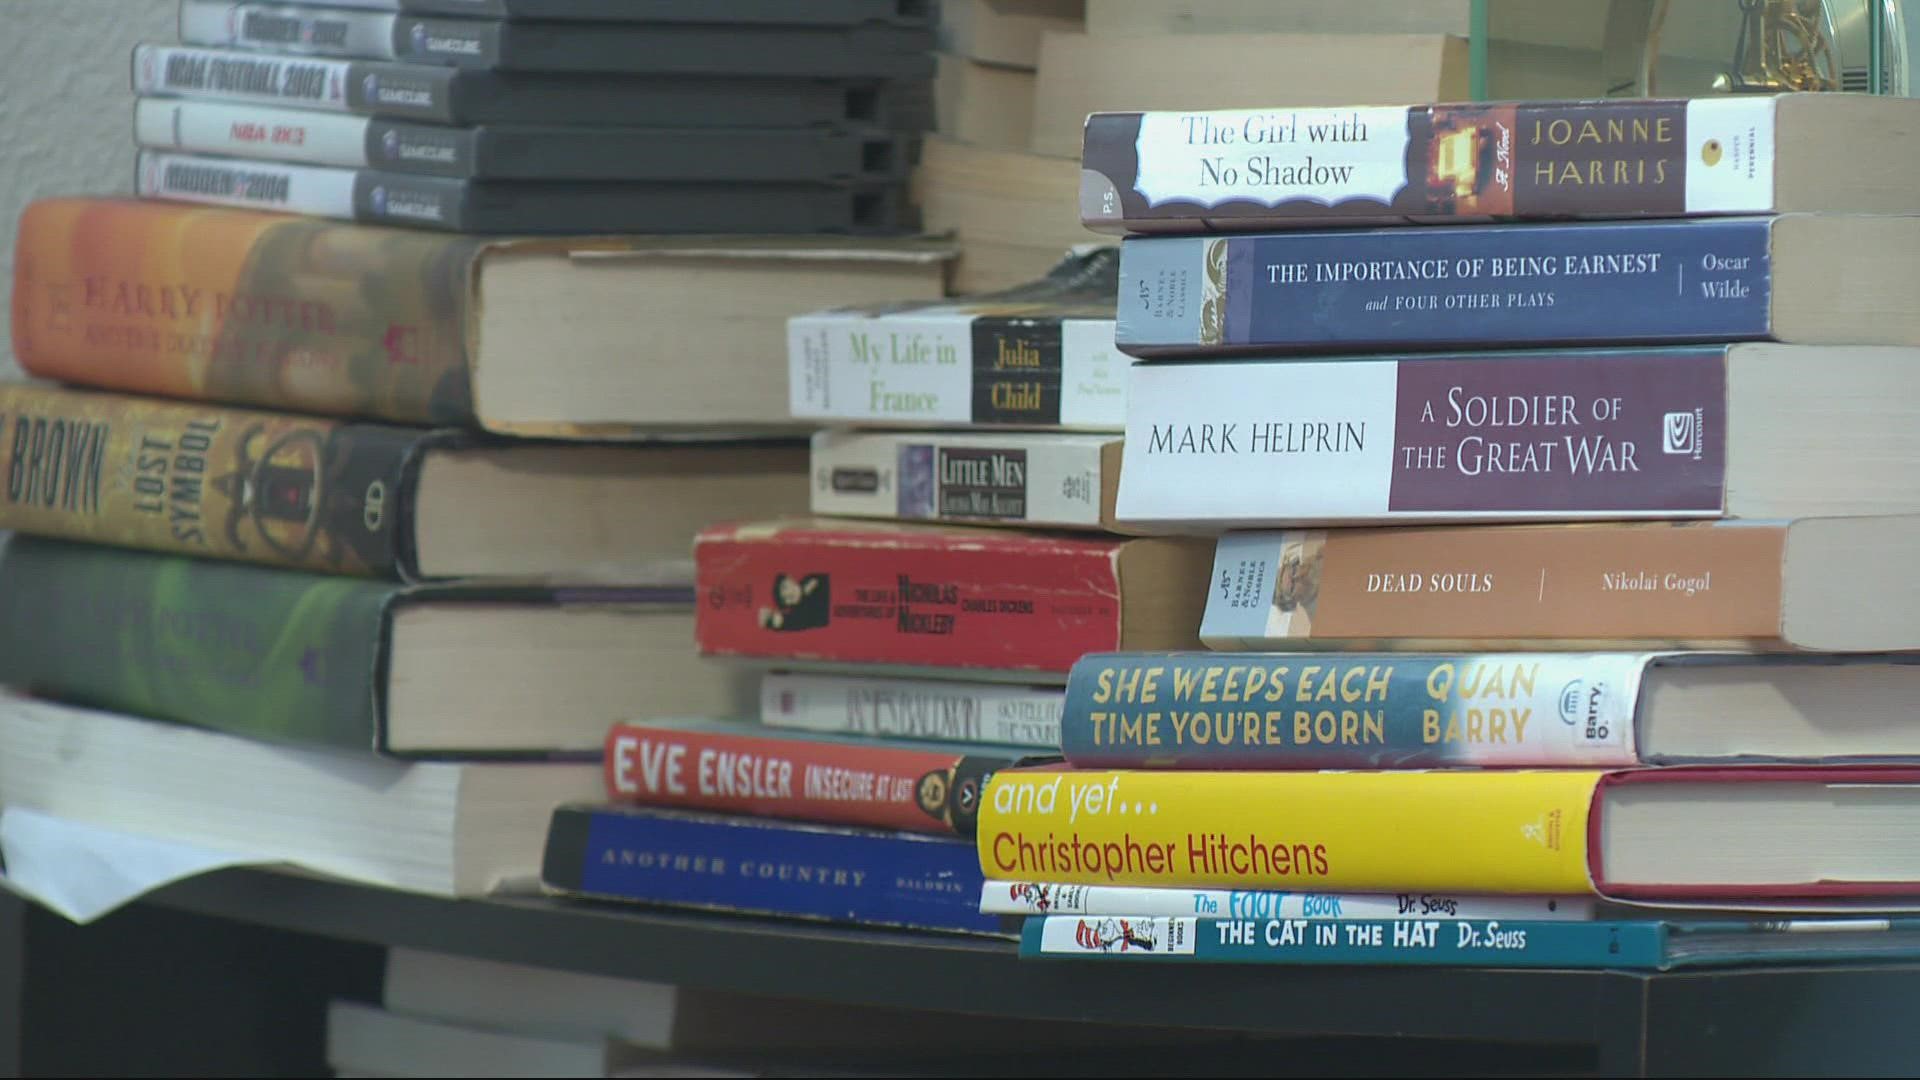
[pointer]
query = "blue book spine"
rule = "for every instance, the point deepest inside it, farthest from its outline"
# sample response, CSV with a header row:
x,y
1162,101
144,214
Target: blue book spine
x,y
1351,710
1617,283
1370,942
761,866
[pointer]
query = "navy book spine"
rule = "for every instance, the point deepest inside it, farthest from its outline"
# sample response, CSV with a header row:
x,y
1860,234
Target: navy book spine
x,y
1480,286
766,867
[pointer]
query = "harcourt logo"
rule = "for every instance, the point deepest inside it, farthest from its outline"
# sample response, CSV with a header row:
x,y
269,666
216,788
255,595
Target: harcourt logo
x,y
1680,434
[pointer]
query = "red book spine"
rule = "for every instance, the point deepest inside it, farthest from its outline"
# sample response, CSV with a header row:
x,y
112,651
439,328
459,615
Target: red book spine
x,y
1031,604
842,783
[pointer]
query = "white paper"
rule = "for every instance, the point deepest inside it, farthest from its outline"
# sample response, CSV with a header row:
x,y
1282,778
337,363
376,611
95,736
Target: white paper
x,y
84,871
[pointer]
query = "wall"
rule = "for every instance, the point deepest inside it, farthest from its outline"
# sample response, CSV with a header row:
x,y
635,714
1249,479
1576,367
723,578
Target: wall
x,y
66,114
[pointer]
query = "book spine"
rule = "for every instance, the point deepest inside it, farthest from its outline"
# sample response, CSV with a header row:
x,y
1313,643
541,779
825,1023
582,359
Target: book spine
x,y
758,866
412,91
292,29
268,654
1038,483
841,783
1650,585
379,198
271,311
1707,280
913,709
1351,711
201,480
1509,832
1489,943
1052,898
1484,438
304,137
940,601
953,367
1249,168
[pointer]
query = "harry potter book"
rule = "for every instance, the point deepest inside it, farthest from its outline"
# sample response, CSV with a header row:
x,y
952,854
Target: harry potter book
x,y
423,671
986,602
1759,837
1804,279
1356,710
1204,170
373,500
1810,584
514,336
1754,430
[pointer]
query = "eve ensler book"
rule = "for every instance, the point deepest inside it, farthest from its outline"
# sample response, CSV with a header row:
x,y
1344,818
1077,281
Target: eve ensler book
x,y
1839,584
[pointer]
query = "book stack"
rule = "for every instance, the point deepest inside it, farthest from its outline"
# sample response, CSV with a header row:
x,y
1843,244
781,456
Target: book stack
x,y
1593,655
342,545
587,117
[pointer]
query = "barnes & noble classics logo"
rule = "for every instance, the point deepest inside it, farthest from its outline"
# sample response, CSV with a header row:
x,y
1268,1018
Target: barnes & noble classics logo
x,y
1680,433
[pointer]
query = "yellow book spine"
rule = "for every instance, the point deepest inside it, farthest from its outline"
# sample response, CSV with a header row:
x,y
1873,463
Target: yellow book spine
x,y
1520,831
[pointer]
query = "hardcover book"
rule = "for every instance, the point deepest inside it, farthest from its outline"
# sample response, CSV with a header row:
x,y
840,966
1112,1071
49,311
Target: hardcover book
x,y
520,151
1741,431
742,768
421,671
1640,944
1762,836
1796,278
1037,355
931,709
1808,584
875,50
1035,479
535,207
761,866
521,337
1048,898
371,500
985,601
449,95
1201,171
1359,710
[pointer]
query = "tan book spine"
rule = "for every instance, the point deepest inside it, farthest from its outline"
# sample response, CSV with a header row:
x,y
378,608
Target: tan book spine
x,y
1701,583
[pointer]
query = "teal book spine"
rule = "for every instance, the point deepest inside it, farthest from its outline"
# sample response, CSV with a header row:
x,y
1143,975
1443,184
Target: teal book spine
x,y
266,653
1368,942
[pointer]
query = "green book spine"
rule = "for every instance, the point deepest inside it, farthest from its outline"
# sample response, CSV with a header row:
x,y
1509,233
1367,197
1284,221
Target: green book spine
x,y
265,653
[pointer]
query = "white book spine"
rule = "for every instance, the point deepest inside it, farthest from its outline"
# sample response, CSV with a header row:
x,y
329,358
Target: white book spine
x,y
309,31
920,368
914,709
252,131
1045,898
300,189
301,82
1053,481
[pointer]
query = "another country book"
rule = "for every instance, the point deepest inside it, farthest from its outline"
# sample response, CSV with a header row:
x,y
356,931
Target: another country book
x,y
762,866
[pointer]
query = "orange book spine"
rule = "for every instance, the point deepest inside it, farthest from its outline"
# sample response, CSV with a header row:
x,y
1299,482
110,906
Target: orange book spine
x,y
1648,584
245,308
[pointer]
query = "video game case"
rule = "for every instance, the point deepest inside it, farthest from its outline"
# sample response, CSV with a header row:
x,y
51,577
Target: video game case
x,y
776,12
531,207
449,95
718,48
514,152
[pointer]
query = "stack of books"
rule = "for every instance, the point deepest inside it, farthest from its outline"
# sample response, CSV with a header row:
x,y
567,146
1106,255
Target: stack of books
x,y
599,117
343,545
1598,655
